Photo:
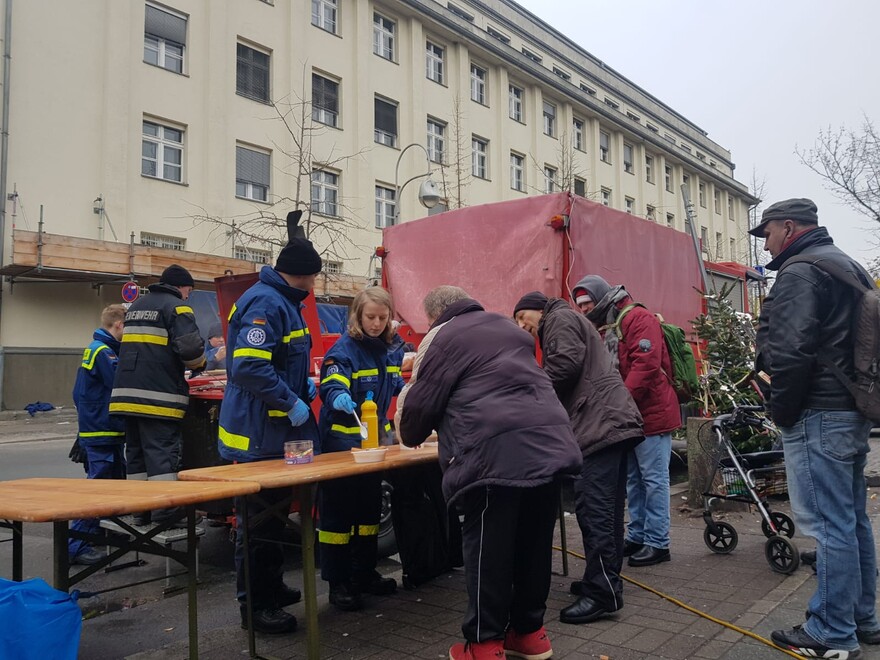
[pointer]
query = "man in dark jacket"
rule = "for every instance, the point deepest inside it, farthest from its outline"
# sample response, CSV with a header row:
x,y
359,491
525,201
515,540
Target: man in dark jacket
x,y
806,326
160,341
504,442
635,342
606,425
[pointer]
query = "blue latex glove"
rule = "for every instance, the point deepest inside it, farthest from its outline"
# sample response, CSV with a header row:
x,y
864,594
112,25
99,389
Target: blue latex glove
x,y
344,403
299,414
313,391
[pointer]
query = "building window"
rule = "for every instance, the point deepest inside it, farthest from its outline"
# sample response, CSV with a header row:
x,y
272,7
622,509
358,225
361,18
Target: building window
x,y
701,156
495,34
534,57
164,242
516,172
386,122
589,90
325,100
580,187
604,145
670,219
549,119
434,62
252,74
719,245
164,38
702,194
515,102
549,179
251,174
577,134
717,201
611,103
461,13
606,196
685,147
324,15
669,138
325,193
667,170
478,84
651,128
649,168
633,117
651,213
332,268
733,256
562,74
162,152
730,214
480,157
254,255
436,140
630,204
686,181
384,207
383,37
628,158
704,239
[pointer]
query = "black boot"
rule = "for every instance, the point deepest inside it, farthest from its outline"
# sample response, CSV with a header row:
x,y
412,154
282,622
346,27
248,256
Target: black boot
x,y
377,585
270,620
345,597
631,547
649,556
286,596
584,610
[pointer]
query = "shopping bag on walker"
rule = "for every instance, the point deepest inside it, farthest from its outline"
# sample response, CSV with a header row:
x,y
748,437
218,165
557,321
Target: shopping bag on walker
x,y
37,621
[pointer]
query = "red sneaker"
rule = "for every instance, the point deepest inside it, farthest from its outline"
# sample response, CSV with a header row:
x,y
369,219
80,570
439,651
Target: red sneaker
x,y
491,650
531,646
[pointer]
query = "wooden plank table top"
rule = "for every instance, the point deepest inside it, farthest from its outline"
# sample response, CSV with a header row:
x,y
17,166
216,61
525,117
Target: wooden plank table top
x,y
54,499
276,473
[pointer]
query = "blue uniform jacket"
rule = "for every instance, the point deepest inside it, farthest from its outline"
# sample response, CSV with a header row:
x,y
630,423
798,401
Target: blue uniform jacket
x,y
357,367
91,393
267,370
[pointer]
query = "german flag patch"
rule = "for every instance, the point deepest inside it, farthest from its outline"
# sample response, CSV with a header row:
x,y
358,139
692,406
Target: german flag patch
x,y
258,322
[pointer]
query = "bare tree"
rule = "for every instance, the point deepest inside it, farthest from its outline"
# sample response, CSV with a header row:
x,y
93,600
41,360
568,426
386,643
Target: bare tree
x,y
757,188
567,170
457,160
848,160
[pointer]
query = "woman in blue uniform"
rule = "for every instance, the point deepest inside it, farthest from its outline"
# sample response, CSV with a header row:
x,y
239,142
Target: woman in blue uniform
x,y
362,361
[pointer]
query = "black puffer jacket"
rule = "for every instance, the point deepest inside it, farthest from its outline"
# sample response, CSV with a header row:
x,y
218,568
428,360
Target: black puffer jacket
x,y
601,409
498,419
807,313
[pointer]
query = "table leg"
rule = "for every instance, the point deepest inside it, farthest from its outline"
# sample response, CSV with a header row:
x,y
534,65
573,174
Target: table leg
x,y
61,565
313,639
192,566
249,609
17,548
563,541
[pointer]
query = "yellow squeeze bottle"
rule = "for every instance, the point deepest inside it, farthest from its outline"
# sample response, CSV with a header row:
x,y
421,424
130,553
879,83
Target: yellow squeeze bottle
x,y
371,421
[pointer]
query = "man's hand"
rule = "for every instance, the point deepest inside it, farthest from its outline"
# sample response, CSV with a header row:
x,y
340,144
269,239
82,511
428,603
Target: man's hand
x,y
344,403
299,414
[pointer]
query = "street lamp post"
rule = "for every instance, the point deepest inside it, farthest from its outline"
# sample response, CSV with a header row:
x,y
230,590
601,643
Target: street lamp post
x,y
429,196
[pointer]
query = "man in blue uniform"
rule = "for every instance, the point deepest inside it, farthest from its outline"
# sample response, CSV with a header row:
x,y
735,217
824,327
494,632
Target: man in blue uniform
x,y
266,403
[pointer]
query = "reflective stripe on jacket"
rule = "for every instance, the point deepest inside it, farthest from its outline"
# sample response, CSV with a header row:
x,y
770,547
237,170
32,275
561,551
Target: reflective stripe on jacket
x,y
91,392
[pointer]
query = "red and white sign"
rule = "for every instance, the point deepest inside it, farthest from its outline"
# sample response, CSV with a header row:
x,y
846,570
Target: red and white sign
x,y
130,292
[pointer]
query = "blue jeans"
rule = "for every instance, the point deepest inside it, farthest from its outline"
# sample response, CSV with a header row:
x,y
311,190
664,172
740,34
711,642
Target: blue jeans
x,y
825,454
647,491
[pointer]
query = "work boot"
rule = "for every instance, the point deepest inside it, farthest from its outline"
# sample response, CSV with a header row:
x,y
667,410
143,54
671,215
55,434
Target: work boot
x,y
530,646
490,650
631,548
799,642
377,585
270,620
286,596
345,597
87,557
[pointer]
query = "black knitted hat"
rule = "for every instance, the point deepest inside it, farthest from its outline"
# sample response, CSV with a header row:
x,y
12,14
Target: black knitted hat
x,y
532,300
299,256
176,276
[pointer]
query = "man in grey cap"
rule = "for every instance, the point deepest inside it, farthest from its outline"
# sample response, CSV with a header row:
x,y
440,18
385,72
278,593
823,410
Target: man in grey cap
x,y
805,334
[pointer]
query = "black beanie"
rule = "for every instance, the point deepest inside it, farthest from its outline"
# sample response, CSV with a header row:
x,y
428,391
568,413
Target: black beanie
x,y
176,276
298,257
532,300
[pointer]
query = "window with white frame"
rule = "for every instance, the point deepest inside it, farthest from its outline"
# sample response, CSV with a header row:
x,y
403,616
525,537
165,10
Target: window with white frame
x,y
325,100
670,219
517,181
252,73
479,157
164,242
611,103
717,201
604,147
254,255
650,213
733,256
589,90
492,32
516,95
325,193
730,214
628,158
719,245
383,36
434,62
577,134
580,186
162,152
702,193
667,171
704,239
252,169
324,14
686,181
685,147
562,74
164,38
385,203
629,204
332,268
461,13
385,122
534,57
436,140
606,196
478,84
549,119
649,168
550,179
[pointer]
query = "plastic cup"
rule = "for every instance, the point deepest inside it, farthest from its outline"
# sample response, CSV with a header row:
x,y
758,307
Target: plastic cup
x,y
298,451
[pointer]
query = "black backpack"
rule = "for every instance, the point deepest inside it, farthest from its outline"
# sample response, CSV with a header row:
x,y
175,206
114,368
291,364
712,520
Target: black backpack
x,y
865,386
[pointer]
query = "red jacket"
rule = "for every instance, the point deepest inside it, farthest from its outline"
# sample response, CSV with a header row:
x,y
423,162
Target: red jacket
x,y
644,365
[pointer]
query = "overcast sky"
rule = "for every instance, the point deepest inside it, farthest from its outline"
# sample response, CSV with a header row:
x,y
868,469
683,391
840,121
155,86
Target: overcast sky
x,y
760,77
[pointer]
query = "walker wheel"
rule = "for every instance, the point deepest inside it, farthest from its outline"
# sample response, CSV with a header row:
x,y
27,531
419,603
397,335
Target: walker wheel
x,y
784,525
724,541
782,555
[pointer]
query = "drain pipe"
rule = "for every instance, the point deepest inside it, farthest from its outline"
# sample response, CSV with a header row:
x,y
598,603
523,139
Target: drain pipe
x,y
4,165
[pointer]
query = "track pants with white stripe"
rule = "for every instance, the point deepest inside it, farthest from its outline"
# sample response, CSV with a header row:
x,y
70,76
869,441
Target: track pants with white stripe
x,y
507,542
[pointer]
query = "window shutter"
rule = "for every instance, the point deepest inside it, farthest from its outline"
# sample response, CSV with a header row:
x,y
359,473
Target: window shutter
x,y
386,117
252,166
252,73
165,26
325,93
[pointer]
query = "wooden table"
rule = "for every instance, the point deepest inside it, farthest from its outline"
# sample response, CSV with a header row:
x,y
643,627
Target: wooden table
x,y
277,474
61,500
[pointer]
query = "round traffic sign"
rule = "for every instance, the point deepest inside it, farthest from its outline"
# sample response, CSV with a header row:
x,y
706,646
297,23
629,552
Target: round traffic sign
x,y
130,292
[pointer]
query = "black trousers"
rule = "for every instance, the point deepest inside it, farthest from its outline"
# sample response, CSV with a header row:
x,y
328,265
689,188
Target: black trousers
x,y
600,502
267,555
348,519
507,540
152,448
